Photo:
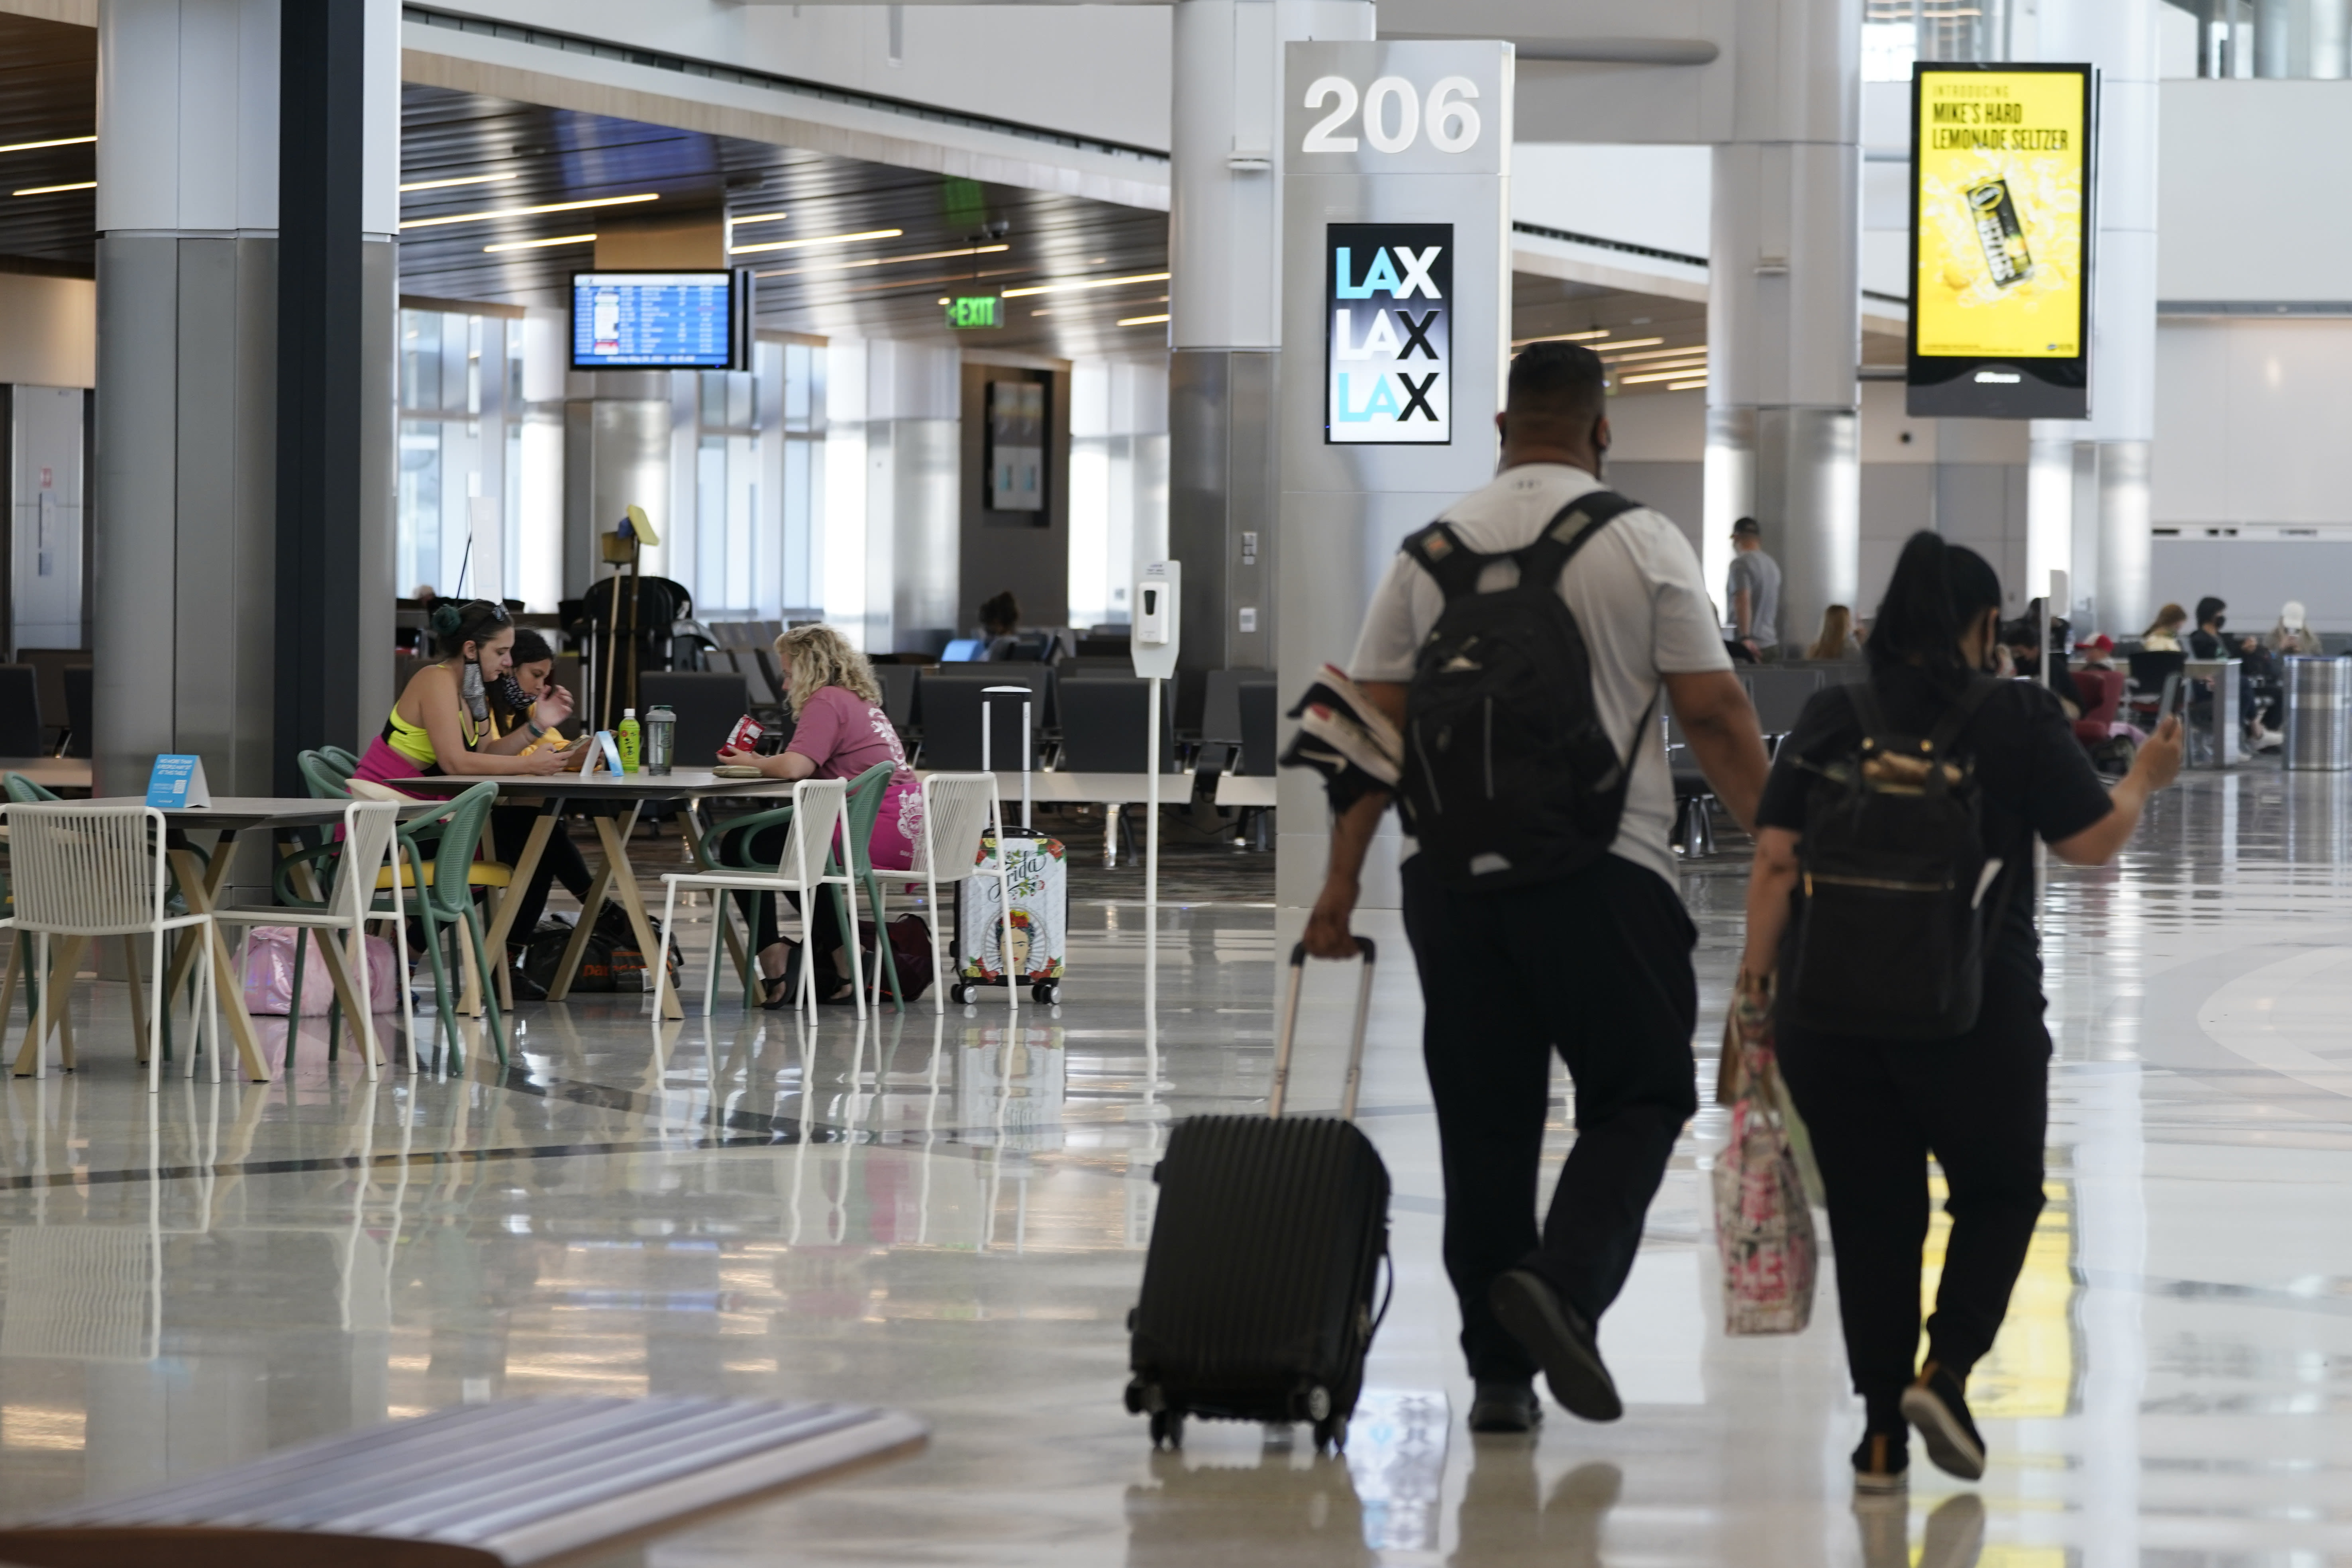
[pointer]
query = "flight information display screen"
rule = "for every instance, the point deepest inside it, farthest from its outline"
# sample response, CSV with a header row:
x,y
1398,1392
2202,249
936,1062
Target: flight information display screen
x,y
651,320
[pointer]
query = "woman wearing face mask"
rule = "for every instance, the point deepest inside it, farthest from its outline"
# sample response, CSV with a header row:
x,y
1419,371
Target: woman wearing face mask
x,y
442,723
513,700
1978,1101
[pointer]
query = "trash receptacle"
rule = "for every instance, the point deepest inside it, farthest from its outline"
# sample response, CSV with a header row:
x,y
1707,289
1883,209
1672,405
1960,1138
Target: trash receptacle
x,y
2320,714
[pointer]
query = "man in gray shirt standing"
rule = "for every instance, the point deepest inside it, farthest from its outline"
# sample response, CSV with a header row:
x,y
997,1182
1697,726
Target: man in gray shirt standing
x,y
1751,593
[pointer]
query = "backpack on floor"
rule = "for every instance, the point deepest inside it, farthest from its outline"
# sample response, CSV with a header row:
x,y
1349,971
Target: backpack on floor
x,y
1509,775
1896,894
910,952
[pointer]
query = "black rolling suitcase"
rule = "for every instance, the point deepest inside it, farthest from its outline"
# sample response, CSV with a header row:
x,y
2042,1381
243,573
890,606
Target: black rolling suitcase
x,y
1257,1290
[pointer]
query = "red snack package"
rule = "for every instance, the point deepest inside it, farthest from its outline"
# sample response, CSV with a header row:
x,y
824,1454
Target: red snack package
x,y
745,736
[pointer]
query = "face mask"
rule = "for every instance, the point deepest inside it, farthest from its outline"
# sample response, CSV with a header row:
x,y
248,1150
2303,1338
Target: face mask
x,y
477,698
510,692
2220,621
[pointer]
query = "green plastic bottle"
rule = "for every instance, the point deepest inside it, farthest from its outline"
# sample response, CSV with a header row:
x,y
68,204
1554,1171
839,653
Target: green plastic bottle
x,y
627,736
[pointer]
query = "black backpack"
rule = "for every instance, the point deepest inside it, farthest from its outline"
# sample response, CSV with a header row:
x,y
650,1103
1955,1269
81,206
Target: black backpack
x,y
1896,898
1509,777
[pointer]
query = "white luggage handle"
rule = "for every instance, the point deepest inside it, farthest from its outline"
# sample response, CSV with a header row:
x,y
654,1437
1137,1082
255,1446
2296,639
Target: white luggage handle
x,y
1290,1030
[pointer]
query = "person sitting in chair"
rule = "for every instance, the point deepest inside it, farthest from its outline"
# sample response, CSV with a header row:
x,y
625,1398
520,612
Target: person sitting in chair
x,y
839,731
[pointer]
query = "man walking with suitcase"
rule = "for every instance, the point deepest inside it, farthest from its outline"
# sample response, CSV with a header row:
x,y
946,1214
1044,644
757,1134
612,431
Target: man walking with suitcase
x,y
1521,647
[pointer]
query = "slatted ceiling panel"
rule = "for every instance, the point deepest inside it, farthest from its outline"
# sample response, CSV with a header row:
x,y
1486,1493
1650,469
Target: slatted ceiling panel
x,y
561,156
48,89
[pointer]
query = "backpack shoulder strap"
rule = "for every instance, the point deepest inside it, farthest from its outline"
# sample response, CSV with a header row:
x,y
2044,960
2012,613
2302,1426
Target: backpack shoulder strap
x,y
1868,713
1441,554
1956,717
1566,533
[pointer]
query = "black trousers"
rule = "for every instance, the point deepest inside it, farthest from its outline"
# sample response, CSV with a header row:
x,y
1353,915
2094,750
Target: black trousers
x,y
1876,1110
765,848
1596,967
510,831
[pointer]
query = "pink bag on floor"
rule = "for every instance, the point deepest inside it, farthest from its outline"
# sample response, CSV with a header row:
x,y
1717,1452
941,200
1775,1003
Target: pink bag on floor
x,y
269,976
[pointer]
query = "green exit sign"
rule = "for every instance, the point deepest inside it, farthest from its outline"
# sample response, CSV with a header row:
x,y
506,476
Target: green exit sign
x,y
975,311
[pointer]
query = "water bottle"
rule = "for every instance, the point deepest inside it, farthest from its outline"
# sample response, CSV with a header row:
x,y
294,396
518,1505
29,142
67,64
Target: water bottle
x,y
661,739
628,736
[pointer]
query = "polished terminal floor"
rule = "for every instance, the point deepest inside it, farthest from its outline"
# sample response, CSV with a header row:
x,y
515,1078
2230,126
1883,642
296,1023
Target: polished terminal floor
x,y
948,1215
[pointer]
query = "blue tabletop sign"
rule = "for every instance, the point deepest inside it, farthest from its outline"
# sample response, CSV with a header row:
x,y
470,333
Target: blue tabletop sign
x,y
178,783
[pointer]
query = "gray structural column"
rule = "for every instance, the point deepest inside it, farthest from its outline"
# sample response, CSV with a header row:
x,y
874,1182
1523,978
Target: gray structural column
x,y
1347,505
1224,248
186,539
337,298
2087,507
1784,323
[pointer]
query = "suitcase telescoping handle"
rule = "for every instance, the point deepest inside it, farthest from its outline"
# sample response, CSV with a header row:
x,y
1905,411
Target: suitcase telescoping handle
x,y
1289,1031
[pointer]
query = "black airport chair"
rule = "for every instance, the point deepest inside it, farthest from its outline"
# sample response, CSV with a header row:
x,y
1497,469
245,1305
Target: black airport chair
x,y
1106,727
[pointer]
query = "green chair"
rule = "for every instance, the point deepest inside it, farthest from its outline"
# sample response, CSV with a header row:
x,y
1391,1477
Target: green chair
x,y
325,774
863,807
445,901
446,839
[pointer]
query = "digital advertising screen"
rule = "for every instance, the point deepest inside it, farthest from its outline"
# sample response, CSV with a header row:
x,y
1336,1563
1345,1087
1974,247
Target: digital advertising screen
x,y
647,321
1389,354
2001,223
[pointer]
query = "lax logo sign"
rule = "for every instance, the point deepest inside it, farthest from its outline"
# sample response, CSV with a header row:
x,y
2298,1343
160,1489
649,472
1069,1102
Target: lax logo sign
x,y
1388,361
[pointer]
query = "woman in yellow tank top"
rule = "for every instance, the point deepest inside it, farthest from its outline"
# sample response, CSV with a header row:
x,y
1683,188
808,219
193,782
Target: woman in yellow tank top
x,y
442,723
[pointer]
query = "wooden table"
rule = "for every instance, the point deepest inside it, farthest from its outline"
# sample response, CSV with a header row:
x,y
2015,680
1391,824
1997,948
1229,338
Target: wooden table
x,y
200,886
57,773
551,794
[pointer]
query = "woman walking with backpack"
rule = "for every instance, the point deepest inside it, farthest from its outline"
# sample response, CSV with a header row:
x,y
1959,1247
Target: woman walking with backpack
x,y
1890,933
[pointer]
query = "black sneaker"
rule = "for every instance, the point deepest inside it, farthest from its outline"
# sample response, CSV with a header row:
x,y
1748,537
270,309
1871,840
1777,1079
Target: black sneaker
x,y
1560,1339
1506,1407
1882,1464
1939,1408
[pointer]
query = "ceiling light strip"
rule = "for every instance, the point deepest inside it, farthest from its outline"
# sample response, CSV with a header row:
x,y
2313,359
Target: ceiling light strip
x,y
758,218
539,244
1565,338
1142,321
1086,283
817,240
407,224
1683,373
453,181
882,261
1659,353
59,141
53,190
1685,385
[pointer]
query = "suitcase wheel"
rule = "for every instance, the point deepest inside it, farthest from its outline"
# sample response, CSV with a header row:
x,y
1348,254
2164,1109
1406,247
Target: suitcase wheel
x,y
1047,992
962,992
1168,1429
1332,1433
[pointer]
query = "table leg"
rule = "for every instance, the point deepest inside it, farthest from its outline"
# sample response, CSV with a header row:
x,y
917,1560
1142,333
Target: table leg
x,y
195,879
338,973
617,854
64,958
574,950
199,884
502,915
735,949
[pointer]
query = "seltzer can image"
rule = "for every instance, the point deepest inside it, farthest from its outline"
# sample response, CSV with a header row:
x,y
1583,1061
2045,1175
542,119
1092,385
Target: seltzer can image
x,y
2000,233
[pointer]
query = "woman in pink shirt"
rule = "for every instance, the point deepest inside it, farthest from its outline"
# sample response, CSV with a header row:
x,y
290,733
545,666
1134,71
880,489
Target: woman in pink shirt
x,y
839,731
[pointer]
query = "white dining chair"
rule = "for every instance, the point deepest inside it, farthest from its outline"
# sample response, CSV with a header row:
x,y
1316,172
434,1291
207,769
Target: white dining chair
x,y
368,859
818,822
959,812
101,870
